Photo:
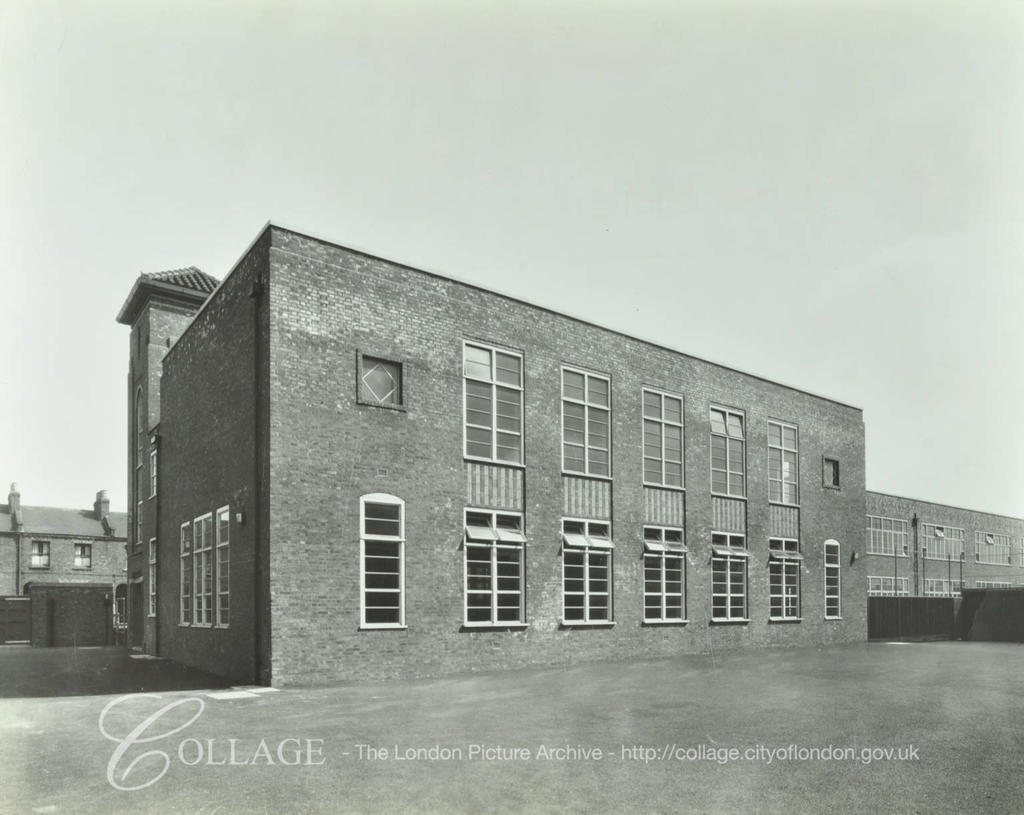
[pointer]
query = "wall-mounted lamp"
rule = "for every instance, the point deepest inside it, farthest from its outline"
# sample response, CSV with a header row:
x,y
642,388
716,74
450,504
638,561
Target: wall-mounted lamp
x,y
853,558
240,518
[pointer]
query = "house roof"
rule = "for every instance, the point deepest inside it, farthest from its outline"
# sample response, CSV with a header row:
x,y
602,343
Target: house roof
x,y
189,286
190,277
58,521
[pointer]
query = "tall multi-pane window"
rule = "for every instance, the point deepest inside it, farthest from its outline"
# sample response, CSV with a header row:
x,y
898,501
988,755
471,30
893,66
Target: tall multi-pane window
x,y
202,577
586,572
783,457
941,542
138,519
382,561
833,580
186,573
784,561
728,576
886,536
664,575
494,568
83,555
879,586
152,473
223,547
586,434
727,453
941,587
992,548
152,577
494,403
663,439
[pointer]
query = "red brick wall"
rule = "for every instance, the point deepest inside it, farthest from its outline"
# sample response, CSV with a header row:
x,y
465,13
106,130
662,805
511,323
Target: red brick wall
x,y
325,451
208,460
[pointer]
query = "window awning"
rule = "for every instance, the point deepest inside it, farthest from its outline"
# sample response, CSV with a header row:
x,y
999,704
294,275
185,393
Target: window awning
x,y
675,548
586,541
510,535
478,532
775,554
729,551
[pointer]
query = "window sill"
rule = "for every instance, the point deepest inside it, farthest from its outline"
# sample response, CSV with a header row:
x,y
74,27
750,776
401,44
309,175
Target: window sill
x,y
480,460
782,504
393,408
785,619
830,487
663,622
382,627
726,495
39,568
222,627
730,620
664,487
830,619
150,616
202,625
494,626
81,568
595,476
888,555
585,624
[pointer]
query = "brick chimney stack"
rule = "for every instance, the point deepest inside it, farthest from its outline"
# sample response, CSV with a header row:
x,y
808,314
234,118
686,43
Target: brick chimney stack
x,y
102,505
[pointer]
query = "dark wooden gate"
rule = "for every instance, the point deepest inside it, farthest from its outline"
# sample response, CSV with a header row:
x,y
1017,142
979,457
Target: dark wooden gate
x,y
920,618
15,619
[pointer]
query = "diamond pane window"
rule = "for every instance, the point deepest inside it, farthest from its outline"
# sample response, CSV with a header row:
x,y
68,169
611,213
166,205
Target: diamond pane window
x,y
381,382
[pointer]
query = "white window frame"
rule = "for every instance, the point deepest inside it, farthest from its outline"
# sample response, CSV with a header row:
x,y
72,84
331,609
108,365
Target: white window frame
x,y
730,474
185,571
152,578
941,587
495,539
662,553
784,557
833,568
36,558
592,543
589,409
202,558
81,561
992,584
728,548
882,586
995,547
662,423
221,558
390,500
879,538
138,518
494,384
782,481
152,473
940,538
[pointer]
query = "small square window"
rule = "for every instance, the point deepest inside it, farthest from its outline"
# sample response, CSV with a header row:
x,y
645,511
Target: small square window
x,y
830,473
380,382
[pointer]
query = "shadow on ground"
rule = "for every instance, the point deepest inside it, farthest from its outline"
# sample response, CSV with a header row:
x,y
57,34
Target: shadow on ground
x,y
35,672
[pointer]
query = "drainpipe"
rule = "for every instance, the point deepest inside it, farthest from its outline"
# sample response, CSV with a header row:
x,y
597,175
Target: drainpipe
x,y
913,523
257,292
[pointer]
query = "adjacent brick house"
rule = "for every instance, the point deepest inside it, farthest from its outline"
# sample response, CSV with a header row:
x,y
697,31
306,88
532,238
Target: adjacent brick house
x,y
51,546
367,470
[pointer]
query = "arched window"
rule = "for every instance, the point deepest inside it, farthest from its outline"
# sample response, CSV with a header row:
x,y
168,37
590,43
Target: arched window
x,y
381,561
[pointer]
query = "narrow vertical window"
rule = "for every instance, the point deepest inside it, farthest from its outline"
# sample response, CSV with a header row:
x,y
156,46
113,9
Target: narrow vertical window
x,y
586,572
186,573
664,575
152,577
494,403
833,581
728,453
40,555
830,473
138,520
152,473
663,439
382,561
784,561
728,577
783,457
494,568
202,579
586,415
223,532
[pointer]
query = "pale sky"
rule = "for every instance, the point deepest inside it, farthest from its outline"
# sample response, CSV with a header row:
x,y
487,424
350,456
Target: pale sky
x,y
830,195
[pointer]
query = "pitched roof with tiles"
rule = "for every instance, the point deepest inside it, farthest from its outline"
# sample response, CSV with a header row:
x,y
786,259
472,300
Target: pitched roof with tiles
x,y
59,521
190,277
